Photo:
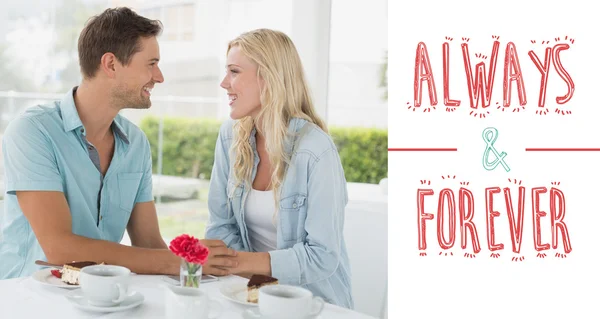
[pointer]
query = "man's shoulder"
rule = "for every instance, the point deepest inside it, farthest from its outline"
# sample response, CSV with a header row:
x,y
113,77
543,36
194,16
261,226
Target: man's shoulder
x,y
33,119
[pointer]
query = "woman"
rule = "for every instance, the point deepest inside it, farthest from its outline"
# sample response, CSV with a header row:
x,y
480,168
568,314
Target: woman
x,y
277,191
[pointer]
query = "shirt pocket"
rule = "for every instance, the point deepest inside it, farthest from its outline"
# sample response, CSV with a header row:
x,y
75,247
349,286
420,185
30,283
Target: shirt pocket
x,y
129,184
291,210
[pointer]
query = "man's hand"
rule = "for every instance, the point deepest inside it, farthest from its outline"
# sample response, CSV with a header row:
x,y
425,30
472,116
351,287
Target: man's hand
x,y
220,259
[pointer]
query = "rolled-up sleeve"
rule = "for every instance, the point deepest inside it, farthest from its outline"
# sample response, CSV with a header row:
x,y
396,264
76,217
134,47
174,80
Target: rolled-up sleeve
x,y
318,257
222,224
144,193
29,159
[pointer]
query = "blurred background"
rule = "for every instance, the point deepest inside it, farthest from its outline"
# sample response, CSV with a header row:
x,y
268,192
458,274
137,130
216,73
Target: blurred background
x,y
343,46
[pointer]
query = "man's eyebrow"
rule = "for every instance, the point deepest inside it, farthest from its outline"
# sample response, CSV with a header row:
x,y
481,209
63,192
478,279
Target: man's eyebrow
x,y
154,60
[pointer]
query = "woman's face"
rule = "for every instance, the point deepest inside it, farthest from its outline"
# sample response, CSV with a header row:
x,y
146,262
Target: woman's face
x,y
242,84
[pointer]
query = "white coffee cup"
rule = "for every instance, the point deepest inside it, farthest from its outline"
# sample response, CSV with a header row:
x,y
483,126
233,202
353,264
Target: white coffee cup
x,y
187,302
104,285
290,302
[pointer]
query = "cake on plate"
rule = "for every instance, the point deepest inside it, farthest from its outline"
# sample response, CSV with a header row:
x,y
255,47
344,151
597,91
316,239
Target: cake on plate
x,y
255,283
69,273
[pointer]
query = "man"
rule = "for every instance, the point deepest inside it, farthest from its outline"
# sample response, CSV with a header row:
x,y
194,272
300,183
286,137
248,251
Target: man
x,y
78,174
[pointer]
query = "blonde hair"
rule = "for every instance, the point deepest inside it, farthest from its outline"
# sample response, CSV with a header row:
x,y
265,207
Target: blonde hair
x,y
284,95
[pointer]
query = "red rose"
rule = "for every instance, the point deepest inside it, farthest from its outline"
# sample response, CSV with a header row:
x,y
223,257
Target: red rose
x,y
190,249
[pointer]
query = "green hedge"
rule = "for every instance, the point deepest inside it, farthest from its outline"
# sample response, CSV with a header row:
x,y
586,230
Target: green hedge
x,y
189,145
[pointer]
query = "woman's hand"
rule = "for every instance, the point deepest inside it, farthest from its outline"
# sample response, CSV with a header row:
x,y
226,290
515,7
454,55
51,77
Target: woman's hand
x,y
221,260
249,264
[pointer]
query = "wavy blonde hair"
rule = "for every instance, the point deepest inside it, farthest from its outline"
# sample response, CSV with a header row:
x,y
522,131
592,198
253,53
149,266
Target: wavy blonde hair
x,y
284,94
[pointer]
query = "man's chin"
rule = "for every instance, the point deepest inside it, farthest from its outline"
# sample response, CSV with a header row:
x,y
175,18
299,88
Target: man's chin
x,y
140,106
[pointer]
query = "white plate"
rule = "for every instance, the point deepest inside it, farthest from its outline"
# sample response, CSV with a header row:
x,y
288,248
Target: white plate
x,y
251,314
77,299
45,277
255,314
237,293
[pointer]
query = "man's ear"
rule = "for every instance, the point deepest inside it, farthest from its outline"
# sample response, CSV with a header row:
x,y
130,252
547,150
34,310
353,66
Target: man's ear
x,y
108,65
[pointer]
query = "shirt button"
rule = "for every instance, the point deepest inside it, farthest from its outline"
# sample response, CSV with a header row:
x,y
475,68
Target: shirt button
x,y
100,217
295,205
81,130
90,148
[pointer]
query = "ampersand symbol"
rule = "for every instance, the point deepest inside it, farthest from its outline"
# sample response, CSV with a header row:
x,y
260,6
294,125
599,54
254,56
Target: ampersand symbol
x,y
490,135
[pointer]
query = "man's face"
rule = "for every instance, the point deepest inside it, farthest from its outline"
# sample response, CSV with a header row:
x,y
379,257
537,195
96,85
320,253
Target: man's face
x,y
136,80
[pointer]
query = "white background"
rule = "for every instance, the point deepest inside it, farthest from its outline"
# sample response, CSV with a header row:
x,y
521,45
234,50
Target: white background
x,y
484,287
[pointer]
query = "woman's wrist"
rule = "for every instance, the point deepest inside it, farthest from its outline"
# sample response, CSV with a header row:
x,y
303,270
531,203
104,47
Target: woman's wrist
x,y
254,263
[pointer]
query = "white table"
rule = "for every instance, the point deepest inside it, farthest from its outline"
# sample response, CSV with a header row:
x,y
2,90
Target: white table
x,y
26,298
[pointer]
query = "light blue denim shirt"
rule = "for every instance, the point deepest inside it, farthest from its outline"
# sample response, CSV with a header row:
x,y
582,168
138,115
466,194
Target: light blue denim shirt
x,y
311,251
45,149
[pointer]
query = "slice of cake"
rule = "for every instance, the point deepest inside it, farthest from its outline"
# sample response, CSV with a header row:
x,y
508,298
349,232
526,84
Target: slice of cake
x,y
256,282
70,271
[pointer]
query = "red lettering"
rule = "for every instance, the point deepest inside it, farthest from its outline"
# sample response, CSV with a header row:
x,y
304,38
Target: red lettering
x,y
447,100
422,216
516,226
466,219
423,72
491,214
446,197
544,70
557,219
512,72
537,215
480,87
562,73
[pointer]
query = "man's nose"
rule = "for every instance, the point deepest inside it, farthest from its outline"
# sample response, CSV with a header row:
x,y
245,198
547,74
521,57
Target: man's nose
x,y
158,76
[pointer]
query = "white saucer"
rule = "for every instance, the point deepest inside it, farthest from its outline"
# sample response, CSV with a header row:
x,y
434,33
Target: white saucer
x,y
254,313
237,293
45,277
77,298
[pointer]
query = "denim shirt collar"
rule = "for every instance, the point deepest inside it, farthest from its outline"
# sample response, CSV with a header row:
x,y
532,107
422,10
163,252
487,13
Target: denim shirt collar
x,y
294,126
72,121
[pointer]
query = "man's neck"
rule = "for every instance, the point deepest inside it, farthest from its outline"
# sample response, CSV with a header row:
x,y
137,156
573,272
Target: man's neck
x,y
95,110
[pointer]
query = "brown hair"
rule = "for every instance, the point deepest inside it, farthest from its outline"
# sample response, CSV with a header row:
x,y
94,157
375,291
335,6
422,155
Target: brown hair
x,y
116,30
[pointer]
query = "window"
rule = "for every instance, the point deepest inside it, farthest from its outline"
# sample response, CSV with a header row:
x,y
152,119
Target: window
x,y
39,64
178,20
357,64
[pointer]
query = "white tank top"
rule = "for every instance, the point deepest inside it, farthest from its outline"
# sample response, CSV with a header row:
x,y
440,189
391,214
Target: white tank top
x,y
258,215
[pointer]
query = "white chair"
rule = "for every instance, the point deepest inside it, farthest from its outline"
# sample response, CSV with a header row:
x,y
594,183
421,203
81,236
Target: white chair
x,y
365,232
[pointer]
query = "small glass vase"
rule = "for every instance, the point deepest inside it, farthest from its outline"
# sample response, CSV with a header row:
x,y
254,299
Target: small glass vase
x,y
190,274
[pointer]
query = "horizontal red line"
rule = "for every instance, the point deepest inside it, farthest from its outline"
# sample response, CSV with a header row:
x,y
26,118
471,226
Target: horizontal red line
x,y
562,149
422,149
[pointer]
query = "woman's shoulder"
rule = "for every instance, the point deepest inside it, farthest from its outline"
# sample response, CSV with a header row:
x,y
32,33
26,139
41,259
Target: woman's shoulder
x,y
314,140
226,130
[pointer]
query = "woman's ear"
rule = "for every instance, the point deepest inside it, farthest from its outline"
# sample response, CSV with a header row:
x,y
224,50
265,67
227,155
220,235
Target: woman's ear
x,y
261,82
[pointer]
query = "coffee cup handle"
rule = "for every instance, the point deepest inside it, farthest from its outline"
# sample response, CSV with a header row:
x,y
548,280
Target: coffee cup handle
x,y
318,305
215,309
122,293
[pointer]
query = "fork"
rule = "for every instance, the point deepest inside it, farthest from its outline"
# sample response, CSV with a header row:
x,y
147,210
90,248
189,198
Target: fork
x,y
45,263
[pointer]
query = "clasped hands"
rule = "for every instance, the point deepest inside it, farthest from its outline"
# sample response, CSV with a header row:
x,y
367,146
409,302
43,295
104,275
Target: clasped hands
x,y
222,260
